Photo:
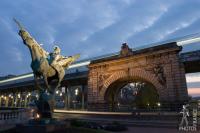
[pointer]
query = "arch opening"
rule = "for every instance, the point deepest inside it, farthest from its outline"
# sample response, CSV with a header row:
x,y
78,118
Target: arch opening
x,y
126,94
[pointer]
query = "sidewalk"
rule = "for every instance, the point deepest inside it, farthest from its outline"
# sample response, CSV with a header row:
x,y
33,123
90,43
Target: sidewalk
x,y
153,130
4,127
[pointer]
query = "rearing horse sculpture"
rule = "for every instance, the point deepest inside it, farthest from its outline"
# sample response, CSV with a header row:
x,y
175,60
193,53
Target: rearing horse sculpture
x,y
40,64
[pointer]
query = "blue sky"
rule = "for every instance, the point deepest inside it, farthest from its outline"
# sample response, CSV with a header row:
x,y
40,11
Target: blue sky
x,y
91,27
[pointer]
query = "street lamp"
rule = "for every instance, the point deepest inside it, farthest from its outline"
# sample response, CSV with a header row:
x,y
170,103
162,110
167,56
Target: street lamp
x,y
29,94
37,116
158,104
36,96
159,107
18,95
76,92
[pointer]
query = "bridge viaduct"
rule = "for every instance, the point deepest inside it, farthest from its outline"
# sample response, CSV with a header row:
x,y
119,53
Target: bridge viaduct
x,y
163,67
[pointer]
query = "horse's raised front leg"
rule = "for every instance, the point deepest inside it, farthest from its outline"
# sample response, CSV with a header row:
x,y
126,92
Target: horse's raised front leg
x,y
36,82
60,77
58,85
46,82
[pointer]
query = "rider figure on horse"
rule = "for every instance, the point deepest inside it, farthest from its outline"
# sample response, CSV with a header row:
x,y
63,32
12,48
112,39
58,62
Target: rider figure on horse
x,y
54,57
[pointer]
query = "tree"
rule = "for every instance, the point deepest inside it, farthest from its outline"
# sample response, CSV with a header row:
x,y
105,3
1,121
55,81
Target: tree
x,y
147,97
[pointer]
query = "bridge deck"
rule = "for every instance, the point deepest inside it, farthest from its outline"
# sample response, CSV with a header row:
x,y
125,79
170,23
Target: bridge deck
x,y
191,61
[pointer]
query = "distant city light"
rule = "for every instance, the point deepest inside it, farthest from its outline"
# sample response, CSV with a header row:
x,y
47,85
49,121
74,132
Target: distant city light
x,y
118,104
37,116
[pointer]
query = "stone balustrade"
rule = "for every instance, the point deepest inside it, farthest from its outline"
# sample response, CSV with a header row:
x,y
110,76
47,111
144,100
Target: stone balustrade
x,y
15,116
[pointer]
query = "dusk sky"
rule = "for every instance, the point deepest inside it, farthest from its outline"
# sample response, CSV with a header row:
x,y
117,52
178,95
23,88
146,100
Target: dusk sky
x,y
94,27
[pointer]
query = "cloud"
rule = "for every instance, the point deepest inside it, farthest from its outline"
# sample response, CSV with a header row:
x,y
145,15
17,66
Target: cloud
x,y
193,77
128,23
193,84
91,28
172,21
16,54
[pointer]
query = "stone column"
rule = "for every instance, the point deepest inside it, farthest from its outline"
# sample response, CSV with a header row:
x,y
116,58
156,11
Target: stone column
x,y
25,100
83,97
12,104
16,99
66,98
20,100
29,97
54,98
7,100
0,101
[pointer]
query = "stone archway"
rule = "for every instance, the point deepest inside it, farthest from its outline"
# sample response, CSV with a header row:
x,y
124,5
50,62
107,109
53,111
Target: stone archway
x,y
159,65
134,74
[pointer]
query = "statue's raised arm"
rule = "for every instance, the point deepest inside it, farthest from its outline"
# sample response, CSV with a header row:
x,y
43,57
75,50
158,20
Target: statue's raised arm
x,y
18,24
28,40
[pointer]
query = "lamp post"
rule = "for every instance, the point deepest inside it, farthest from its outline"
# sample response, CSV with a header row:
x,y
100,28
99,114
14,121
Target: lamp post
x,y
6,99
148,106
159,107
76,91
76,94
0,99
16,99
158,104
82,98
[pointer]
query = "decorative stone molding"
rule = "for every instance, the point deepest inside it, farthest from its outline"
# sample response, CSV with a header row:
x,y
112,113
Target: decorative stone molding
x,y
125,50
158,72
101,79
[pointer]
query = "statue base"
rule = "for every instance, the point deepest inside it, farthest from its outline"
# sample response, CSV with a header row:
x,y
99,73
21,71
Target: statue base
x,y
45,105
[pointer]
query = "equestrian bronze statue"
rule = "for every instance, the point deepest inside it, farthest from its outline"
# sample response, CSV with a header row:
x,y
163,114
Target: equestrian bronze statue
x,y
48,66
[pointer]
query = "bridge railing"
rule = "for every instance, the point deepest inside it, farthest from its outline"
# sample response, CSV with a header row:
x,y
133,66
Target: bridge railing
x,y
14,116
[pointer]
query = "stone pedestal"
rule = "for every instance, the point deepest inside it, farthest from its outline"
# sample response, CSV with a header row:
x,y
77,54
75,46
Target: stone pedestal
x,y
45,105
